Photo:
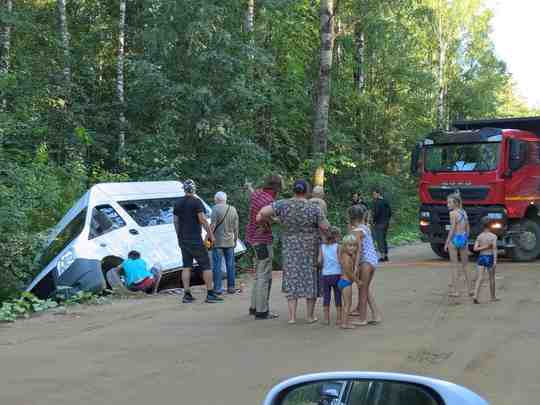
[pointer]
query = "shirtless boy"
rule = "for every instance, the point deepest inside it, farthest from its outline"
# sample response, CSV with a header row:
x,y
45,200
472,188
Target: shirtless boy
x,y
486,245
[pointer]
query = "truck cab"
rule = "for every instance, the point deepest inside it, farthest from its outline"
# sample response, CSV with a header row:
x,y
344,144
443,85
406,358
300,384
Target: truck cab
x,y
495,166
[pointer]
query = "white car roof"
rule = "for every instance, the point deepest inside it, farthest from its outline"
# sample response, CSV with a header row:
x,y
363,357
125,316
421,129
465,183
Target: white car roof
x,y
105,192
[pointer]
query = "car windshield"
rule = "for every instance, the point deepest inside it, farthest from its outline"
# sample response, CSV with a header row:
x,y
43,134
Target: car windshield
x,y
64,238
462,157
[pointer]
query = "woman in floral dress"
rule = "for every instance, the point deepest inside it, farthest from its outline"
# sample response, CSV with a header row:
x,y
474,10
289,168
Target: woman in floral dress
x,y
301,221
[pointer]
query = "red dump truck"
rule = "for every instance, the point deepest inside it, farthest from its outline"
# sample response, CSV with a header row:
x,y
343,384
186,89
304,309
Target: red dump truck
x,y
495,166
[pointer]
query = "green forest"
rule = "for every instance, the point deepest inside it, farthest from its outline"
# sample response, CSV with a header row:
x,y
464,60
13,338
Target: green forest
x,y
226,92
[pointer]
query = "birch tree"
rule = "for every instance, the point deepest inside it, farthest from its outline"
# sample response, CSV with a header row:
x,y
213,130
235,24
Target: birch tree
x,y
5,45
322,104
359,51
5,38
120,80
249,22
64,40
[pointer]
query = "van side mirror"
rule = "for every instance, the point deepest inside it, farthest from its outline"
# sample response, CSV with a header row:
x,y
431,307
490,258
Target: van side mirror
x,y
517,155
415,159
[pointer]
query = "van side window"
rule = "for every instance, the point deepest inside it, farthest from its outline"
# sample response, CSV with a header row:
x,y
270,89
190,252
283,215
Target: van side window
x,y
104,220
150,212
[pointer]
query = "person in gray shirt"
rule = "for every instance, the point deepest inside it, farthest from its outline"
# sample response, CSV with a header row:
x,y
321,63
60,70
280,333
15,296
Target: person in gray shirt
x,y
225,226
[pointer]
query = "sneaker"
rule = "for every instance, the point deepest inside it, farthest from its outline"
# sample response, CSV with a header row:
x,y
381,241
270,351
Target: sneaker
x,y
252,311
266,315
212,299
188,298
234,290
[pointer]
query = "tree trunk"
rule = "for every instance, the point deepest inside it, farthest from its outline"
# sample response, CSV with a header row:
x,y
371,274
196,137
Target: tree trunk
x,y
5,46
249,23
5,39
442,87
322,104
359,76
120,80
64,36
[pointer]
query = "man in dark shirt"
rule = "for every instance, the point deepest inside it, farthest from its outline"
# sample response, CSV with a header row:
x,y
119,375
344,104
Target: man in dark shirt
x,y
381,220
189,218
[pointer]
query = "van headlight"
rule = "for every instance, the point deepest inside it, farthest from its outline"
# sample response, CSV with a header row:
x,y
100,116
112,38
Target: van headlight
x,y
425,214
65,261
495,215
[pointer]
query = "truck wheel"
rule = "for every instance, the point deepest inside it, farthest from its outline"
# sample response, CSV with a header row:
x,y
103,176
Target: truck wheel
x,y
527,242
438,248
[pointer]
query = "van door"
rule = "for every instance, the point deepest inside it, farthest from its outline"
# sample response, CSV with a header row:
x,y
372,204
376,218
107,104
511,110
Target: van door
x,y
154,218
115,234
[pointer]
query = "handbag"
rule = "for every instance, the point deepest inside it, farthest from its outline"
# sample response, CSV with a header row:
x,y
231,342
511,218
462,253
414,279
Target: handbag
x,y
208,243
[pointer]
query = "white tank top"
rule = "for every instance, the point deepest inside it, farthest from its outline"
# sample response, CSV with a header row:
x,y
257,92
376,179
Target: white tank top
x,y
331,266
368,247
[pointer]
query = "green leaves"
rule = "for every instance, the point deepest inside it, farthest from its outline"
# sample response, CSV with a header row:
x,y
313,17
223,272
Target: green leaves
x,y
24,306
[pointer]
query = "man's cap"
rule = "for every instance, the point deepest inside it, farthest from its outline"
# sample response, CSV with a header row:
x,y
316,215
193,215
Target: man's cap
x,y
300,187
189,186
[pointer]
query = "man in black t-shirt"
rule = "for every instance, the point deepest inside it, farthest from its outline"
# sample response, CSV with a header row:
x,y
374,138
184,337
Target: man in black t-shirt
x,y
381,220
189,218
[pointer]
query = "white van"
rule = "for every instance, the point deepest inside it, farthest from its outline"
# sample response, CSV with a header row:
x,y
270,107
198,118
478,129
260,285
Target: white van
x,y
107,222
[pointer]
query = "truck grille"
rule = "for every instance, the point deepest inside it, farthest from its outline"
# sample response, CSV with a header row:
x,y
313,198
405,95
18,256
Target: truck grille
x,y
467,193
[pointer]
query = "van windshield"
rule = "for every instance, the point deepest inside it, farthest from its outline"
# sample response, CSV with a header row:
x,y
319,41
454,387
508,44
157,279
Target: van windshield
x,y
152,212
462,157
64,238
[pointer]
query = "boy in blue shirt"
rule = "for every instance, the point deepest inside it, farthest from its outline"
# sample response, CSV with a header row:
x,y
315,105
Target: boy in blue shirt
x,y
137,275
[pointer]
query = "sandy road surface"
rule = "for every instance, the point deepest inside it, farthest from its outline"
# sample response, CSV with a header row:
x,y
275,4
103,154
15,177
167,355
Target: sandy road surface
x,y
158,351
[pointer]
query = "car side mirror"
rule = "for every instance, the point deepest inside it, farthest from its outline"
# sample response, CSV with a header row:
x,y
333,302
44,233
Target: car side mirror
x,y
517,155
347,388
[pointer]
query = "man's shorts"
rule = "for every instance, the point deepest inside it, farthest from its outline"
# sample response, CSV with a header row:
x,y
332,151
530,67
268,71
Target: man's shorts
x,y
194,250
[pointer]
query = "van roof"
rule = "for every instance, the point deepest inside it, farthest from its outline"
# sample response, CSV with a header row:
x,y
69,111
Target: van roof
x,y
115,190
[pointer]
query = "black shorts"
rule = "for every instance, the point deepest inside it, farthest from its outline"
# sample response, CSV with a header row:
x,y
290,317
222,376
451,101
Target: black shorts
x,y
194,250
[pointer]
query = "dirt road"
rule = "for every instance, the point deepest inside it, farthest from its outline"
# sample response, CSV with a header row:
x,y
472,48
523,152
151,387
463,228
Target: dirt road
x,y
158,351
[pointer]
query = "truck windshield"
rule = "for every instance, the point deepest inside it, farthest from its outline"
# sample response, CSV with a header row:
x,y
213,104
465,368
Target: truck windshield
x,y
462,157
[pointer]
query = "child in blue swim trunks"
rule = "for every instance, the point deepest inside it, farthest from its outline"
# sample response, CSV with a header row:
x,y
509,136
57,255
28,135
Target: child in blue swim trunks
x,y
347,259
486,245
